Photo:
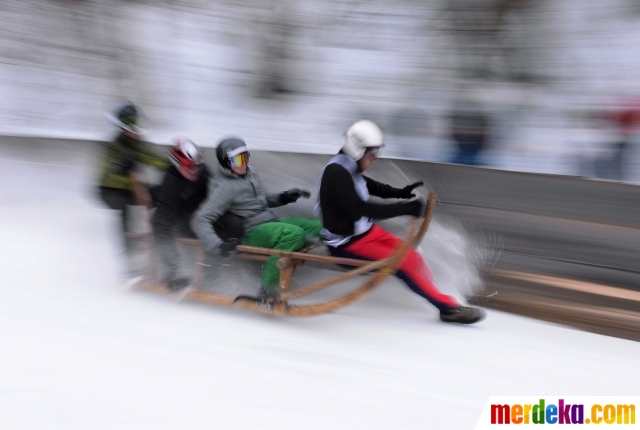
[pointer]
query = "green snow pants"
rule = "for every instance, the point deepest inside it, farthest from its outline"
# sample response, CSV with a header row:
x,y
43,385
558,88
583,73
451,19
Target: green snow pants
x,y
287,235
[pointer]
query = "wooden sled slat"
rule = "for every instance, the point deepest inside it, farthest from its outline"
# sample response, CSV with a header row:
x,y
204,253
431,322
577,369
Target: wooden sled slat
x,y
365,268
301,256
193,294
428,214
393,263
338,260
388,268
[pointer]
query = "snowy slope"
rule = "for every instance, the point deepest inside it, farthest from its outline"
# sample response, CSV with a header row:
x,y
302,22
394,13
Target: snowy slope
x,y
80,350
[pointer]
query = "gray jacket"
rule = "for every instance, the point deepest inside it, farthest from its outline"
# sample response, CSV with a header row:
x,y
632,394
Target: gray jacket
x,y
245,197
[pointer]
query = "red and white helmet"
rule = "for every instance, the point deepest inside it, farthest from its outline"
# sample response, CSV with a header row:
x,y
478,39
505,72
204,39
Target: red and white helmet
x,y
187,158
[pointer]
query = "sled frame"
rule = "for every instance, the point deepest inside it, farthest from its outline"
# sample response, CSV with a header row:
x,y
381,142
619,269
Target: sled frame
x,y
378,271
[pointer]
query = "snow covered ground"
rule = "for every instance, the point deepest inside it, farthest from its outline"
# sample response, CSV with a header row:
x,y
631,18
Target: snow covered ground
x,y
80,350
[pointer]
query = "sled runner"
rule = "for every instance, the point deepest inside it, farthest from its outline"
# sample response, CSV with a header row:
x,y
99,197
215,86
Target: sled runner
x,y
375,273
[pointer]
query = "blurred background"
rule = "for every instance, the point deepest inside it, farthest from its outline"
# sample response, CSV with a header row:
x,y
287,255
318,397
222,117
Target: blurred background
x,y
539,86
535,87
522,115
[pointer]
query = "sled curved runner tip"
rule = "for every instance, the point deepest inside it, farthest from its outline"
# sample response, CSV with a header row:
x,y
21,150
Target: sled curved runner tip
x,y
287,263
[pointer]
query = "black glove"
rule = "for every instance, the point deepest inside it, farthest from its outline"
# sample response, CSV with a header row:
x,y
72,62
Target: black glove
x,y
406,192
292,195
416,208
228,247
229,226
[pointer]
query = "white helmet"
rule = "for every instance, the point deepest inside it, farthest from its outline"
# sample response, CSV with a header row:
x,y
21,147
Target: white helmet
x,y
360,136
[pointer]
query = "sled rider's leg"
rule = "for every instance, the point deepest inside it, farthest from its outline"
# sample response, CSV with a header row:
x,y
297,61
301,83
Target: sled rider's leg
x,y
379,244
165,230
275,235
120,200
311,226
229,226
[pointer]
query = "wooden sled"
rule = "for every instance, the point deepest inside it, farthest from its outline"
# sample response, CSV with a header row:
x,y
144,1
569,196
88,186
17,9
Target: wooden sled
x,y
377,272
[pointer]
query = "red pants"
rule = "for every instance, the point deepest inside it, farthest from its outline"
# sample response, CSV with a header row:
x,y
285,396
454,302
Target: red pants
x,y
379,244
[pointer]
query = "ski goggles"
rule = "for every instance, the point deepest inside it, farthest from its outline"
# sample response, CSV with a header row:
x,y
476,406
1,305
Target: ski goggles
x,y
376,151
239,160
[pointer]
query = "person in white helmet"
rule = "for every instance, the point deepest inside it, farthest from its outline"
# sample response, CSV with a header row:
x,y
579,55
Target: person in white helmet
x,y
348,214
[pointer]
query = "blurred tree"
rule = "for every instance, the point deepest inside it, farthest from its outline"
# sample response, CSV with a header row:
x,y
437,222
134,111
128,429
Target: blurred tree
x,y
492,38
274,35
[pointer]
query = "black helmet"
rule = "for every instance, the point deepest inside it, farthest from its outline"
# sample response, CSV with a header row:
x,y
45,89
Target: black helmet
x,y
129,114
229,148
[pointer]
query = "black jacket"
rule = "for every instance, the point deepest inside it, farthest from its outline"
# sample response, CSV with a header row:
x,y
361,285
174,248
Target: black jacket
x,y
175,201
342,206
178,198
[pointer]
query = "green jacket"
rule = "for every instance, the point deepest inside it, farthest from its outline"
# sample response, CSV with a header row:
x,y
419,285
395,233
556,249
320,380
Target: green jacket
x,y
120,152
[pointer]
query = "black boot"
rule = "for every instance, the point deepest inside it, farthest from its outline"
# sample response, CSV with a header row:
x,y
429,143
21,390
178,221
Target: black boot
x,y
463,315
267,297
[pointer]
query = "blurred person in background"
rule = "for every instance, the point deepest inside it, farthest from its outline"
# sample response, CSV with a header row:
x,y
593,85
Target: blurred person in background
x,y
119,162
183,189
238,192
347,217
469,132
625,120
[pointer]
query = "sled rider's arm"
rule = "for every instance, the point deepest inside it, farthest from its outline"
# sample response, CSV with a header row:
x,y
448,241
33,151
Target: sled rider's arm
x,y
216,205
379,189
273,200
149,157
338,182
